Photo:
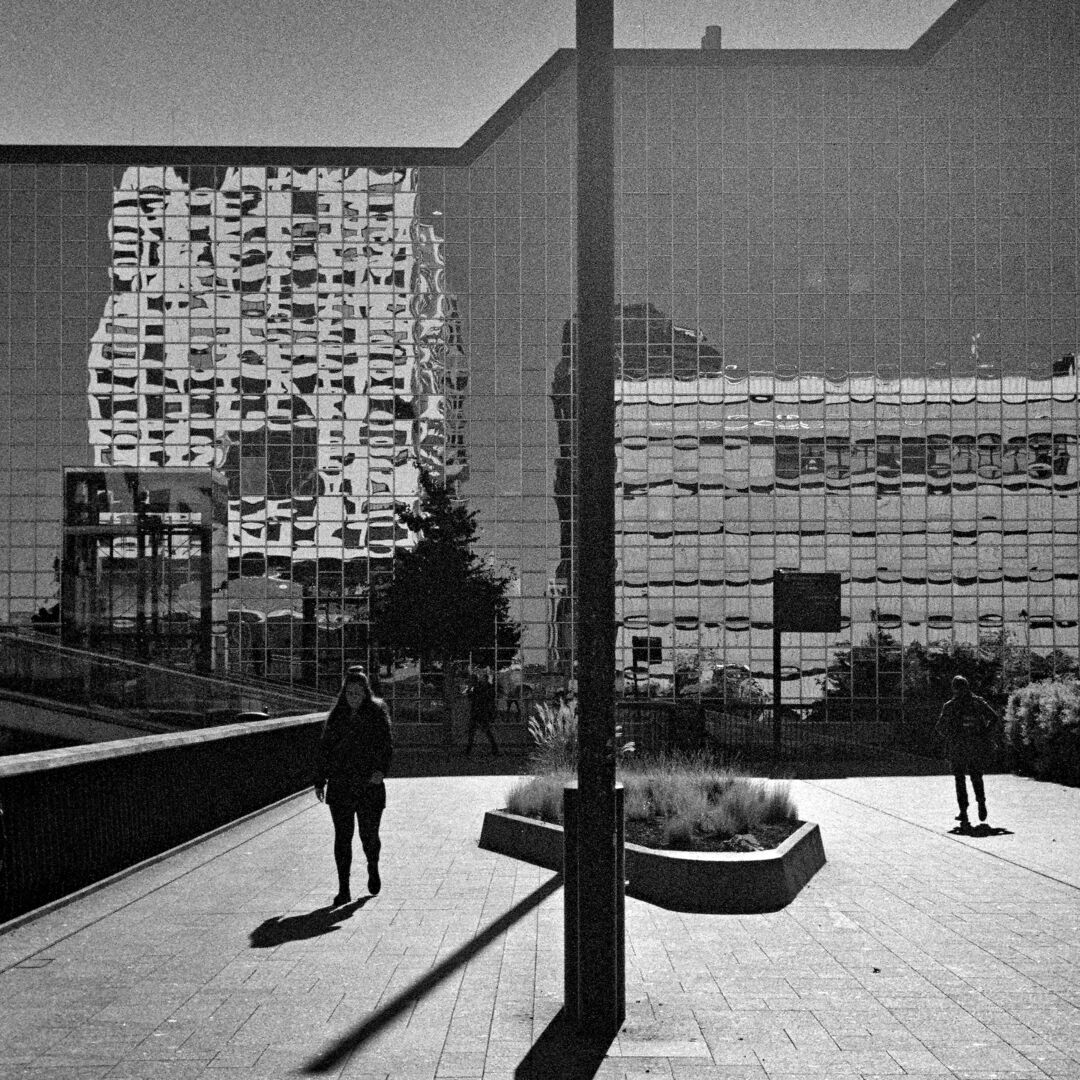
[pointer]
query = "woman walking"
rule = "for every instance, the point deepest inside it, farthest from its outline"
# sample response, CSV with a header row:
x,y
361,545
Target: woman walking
x,y
352,761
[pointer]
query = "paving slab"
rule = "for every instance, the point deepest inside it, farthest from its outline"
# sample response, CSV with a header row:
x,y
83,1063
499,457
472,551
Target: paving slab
x,y
1030,822
914,952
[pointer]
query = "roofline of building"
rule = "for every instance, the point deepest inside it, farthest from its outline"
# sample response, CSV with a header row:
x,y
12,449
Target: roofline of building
x,y
936,36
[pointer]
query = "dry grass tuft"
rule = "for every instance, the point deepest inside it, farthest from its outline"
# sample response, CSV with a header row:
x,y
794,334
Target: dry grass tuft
x,y
540,796
689,796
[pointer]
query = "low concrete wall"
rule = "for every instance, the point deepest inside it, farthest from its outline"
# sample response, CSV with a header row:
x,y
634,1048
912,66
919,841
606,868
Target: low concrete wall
x,y
73,816
735,883
710,882
525,838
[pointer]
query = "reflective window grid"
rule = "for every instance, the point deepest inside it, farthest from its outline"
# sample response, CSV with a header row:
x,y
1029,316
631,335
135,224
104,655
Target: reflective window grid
x,y
847,328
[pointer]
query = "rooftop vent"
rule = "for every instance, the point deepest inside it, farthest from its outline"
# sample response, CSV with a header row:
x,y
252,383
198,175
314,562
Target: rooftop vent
x,y
711,40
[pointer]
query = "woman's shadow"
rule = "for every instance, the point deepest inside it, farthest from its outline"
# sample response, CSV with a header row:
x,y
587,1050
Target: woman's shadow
x,y
980,830
278,929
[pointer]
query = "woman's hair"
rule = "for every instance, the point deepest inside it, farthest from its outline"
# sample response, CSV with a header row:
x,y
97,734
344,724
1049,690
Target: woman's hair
x,y
354,676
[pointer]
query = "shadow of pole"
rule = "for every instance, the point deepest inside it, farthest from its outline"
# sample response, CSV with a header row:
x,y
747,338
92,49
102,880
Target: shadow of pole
x,y
379,1019
563,1053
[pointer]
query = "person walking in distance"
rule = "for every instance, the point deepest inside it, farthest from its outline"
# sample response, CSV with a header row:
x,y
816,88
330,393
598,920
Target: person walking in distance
x,y
482,704
352,761
967,726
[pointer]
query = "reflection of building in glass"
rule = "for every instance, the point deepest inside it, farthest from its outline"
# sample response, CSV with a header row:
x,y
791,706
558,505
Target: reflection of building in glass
x,y
290,327
145,563
825,220
949,506
649,347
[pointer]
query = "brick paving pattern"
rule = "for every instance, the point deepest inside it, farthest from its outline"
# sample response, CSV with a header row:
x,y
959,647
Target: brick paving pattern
x,y
914,953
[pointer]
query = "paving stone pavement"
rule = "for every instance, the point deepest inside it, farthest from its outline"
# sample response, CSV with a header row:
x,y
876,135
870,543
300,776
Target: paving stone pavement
x,y
914,953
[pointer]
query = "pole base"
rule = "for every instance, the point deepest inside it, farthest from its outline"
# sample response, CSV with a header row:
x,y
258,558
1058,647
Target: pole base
x,y
594,986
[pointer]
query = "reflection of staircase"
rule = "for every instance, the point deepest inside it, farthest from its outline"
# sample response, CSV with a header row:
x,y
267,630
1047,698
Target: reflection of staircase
x,y
99,693
30,722
73,695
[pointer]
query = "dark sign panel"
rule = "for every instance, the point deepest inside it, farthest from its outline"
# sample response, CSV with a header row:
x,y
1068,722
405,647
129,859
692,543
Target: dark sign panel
x,y
806,603
647,650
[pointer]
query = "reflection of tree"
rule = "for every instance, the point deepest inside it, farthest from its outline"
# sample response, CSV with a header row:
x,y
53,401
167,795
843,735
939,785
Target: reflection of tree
x,y
865,672
878,678
443,604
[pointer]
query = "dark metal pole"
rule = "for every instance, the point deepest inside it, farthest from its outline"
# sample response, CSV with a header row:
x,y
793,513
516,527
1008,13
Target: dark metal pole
x,y
776,687
204,650
571,929
140,582
600,1006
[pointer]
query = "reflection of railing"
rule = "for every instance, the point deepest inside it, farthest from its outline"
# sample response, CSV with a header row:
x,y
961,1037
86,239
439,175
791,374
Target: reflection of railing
x,y
650,724
38,665
860,729
853,730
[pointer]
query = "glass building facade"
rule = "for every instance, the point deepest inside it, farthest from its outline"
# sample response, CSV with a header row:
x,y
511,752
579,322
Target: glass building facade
x,y
848,314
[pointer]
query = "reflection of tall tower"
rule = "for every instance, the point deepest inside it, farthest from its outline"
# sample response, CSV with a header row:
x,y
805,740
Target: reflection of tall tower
x,y
649,346
291,327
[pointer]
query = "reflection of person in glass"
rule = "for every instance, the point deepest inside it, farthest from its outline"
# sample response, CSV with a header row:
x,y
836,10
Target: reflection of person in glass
x,y
967,725
483,702
352,760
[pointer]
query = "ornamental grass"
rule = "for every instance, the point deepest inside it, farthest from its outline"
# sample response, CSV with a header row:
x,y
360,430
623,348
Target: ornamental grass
x,y
687,796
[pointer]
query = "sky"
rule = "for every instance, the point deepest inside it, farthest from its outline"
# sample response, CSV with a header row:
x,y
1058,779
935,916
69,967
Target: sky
x,y
349,72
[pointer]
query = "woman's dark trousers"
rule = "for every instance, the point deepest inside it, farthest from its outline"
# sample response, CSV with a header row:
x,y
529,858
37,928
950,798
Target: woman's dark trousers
x,y
960,773
367,812
483,723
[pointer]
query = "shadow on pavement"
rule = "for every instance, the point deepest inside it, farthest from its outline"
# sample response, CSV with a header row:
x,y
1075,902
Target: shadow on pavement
x,y
844,769
404,1001
818,763
277,930
409,762
561,1053
980,830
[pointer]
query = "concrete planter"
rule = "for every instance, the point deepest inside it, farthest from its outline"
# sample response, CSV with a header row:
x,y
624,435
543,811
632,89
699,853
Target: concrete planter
x,y
731,883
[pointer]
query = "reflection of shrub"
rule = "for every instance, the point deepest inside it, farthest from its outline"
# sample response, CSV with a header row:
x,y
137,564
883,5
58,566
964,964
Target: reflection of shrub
x,y
687,795
878,679
734,689
1042,730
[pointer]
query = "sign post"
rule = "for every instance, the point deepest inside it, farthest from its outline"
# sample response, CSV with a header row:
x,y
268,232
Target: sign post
x,y
802,604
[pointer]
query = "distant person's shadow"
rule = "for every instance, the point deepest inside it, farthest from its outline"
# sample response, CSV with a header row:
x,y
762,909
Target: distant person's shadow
x,y
279,929
980,830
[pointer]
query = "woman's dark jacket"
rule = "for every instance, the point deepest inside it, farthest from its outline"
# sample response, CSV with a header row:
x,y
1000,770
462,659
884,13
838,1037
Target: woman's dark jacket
x,y
967,725
352,748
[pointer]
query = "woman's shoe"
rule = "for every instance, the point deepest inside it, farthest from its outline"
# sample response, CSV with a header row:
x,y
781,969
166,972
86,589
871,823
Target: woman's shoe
x,y
374,882
343,897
